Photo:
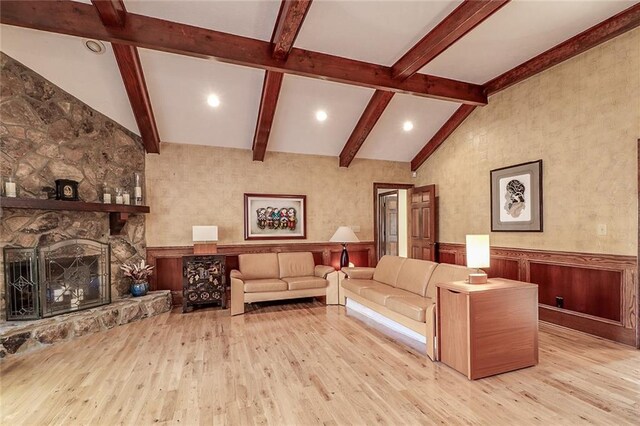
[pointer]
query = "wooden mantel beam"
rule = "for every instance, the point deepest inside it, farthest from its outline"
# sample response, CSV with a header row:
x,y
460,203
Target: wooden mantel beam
x,y
463,19
82,20
618,24
113,15
288,24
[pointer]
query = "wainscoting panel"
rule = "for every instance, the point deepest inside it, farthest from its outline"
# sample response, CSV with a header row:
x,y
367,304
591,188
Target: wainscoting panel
x,y
168,260
599,291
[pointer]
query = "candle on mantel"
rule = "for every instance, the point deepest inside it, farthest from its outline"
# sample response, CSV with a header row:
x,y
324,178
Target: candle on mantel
x,y
10,188
106,198
119,199
126,198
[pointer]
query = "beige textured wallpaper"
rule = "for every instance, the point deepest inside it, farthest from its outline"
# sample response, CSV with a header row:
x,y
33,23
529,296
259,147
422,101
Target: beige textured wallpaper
x,y
197,185
582,118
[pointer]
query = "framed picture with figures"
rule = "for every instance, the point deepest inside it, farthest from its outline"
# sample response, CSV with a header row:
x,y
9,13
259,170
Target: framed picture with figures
x,y
275,217
516,198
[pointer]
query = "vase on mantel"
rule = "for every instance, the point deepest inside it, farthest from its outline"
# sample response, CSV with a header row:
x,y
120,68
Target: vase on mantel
x,y
139,288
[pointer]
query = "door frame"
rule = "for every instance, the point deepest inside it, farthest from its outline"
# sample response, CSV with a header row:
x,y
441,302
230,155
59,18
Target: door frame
x,y
383,185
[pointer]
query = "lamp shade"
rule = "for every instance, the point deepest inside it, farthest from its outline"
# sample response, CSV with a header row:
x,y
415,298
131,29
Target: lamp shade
x,y
344,234
478,252
205,233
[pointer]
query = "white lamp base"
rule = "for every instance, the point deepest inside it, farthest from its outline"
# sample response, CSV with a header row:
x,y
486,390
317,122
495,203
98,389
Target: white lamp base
x,y
478,278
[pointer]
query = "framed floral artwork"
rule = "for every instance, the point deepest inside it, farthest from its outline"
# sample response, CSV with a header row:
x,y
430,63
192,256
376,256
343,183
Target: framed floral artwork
x,y
516,198
275,217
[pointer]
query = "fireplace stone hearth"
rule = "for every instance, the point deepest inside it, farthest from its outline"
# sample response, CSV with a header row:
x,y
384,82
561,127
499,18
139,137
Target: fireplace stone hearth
x,y
17,337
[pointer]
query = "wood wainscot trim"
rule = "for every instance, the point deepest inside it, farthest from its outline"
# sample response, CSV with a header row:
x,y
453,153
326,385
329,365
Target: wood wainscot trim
x,y
168,260
609,279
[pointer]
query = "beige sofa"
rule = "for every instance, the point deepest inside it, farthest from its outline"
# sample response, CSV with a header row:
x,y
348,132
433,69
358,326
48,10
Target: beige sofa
x,y
402,290
277,276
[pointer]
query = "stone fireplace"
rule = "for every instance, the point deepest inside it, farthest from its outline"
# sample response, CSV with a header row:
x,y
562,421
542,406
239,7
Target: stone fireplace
x,y
63,277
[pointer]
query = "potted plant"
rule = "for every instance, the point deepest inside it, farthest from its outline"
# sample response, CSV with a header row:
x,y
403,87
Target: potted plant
x,y
139,273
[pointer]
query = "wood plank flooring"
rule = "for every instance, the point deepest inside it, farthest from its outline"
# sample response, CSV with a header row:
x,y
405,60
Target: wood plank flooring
x,y
303,364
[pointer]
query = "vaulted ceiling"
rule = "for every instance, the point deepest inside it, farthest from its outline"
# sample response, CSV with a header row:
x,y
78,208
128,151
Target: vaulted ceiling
x,y
479,46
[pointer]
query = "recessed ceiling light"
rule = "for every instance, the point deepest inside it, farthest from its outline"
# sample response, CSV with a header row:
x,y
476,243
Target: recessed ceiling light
x,y
321,115
407,126
213,100
94,46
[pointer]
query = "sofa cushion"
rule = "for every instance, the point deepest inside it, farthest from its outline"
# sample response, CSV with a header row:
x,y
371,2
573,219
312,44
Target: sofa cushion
x,y
414,307
382,292
445,273
388,269
356,286
414,275
269,284
256,266
301,283
299,264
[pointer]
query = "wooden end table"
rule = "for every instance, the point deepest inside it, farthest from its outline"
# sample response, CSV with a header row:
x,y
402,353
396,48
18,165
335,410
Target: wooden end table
x,y
487,329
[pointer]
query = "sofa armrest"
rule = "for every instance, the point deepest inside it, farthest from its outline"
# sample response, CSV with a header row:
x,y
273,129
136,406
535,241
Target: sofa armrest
x,y
323,270
360,273
236,274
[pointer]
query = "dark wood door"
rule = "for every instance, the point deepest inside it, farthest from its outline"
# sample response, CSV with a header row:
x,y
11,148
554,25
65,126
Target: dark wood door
x,y
423,224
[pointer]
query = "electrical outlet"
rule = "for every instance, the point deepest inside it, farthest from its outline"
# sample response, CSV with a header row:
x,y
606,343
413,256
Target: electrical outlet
x,y
602,229
559,302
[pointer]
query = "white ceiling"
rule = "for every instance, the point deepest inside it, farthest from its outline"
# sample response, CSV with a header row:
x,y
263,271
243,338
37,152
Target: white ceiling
x,y
179,86
63,60
374,31
295,128
516,33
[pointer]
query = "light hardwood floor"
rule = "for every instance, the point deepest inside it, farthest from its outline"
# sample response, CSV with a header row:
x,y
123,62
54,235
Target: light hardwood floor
x,y
302,364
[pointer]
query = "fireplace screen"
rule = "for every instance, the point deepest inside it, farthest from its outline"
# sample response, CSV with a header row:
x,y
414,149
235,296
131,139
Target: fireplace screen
x,y
67,276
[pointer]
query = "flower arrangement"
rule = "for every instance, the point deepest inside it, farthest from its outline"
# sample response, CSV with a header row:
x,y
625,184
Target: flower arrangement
x,y
137,271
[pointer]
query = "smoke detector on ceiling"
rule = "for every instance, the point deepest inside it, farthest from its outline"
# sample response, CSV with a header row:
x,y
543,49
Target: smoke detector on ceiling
x,y
94,46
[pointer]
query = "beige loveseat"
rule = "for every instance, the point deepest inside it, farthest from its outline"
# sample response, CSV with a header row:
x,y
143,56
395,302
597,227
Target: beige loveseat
x,y
402,290
277,276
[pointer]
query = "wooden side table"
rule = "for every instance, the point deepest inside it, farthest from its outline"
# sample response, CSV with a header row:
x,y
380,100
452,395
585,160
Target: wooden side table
x,y
487,329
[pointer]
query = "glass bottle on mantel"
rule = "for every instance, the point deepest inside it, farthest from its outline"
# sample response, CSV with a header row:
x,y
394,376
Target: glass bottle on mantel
x,y
137,190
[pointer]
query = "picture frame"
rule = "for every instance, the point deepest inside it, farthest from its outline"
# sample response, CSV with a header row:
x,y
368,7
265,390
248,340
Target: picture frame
x,y
262,211
516,198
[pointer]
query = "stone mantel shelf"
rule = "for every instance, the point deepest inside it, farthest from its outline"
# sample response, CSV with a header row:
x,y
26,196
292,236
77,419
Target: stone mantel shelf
x,y
118,213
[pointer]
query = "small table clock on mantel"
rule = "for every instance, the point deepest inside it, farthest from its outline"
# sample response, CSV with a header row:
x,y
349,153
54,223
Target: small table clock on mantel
x,y
487,329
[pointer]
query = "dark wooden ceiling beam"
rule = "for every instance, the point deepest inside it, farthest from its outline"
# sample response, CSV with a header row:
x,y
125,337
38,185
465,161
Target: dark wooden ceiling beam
x,y
604,31
463,19
136,87
452,124
288,24
113,15
368,120
268,103
111,12
81,20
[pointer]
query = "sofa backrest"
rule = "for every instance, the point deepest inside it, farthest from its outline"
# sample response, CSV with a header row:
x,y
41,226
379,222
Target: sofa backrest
x,y
414,275
444,273
388,269
257,266
300,264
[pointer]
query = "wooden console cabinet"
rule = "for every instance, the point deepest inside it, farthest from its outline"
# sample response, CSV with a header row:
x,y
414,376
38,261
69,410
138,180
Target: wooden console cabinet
x,y
487,329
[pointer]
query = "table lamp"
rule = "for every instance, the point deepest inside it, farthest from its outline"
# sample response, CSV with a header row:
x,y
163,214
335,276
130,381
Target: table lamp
x,y
344,235
478,256
204,238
